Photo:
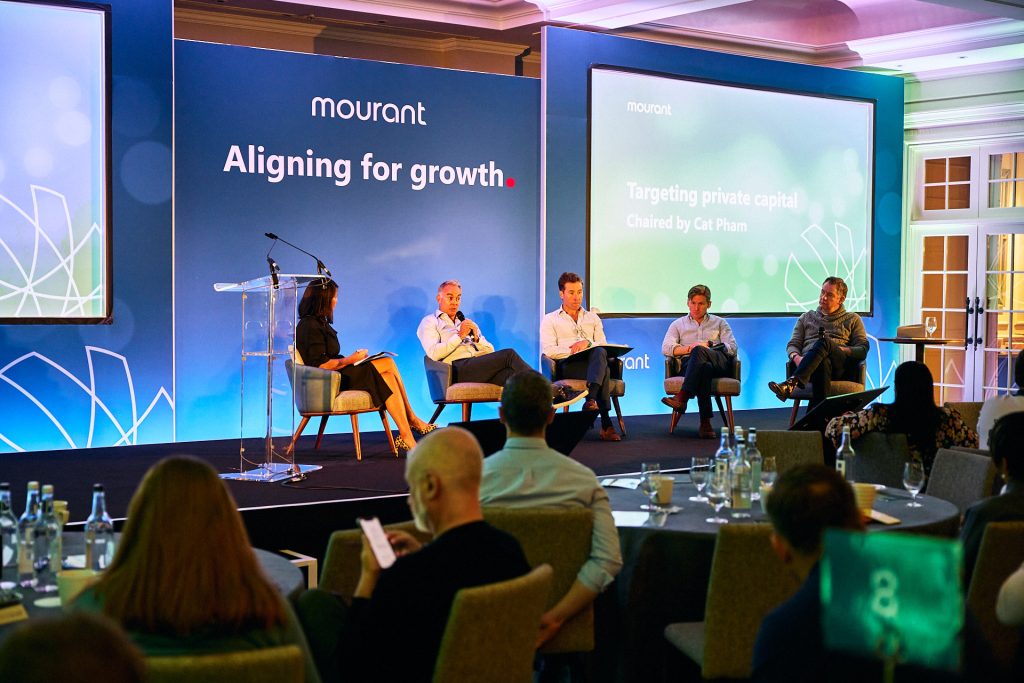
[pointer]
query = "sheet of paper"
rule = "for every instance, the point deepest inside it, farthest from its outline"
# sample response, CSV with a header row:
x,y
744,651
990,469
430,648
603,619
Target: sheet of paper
x,y
630,518
621,483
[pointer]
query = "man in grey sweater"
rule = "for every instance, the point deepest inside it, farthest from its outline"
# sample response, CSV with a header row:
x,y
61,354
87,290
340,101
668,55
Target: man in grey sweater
x,y
822,341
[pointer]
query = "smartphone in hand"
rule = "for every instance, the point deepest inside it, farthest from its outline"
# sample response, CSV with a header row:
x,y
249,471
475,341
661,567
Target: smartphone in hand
x,y
379,544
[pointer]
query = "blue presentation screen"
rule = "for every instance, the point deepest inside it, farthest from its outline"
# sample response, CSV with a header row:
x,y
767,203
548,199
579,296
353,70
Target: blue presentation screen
x,y
758,194
54,201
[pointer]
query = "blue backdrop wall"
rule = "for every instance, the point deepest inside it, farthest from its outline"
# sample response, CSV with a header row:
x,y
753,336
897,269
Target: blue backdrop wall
x,y
567,58
75,386
389,233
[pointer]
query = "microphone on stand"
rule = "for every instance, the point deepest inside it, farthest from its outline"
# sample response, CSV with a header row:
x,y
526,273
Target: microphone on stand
x,y
321,269
274,270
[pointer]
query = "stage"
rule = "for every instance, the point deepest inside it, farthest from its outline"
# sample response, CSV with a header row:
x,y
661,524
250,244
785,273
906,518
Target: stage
x,y
300,516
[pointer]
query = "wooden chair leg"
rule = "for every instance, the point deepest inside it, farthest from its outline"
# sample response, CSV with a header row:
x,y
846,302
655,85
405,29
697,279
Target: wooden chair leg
x,y
675,420
732,421
298,432
618,414
320,432
565,409
721,411
467,411
796,409
437,412
387,430
355,435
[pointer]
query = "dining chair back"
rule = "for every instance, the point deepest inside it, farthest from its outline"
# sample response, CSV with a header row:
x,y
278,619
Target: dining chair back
x,y
1001,553
747,581
340,571
492,630
961,478
790,448
283,664
879,458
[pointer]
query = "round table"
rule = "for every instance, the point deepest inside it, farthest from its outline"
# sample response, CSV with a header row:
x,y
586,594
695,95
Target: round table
x,y
667,565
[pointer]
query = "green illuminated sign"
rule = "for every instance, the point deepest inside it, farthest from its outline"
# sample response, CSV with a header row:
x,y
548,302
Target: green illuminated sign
x,y
893,596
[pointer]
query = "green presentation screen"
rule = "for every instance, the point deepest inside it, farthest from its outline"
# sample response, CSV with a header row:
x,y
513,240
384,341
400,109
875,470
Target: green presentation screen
x,y
759,194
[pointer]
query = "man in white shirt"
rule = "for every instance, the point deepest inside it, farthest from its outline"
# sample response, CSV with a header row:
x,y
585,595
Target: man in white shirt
x,y
571,329
448,336
997,406
708,348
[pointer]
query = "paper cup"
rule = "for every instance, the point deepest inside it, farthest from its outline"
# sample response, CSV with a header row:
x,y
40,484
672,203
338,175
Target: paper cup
x,y
865,495
665,484
71,582
60,509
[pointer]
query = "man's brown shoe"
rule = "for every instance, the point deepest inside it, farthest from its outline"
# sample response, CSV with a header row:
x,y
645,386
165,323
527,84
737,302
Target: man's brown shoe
x,y
706,431
783,390
674,403
609,434
591,404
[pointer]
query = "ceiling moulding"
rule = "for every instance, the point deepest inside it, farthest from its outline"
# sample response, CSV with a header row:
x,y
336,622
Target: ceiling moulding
x,y
836,55
918,52
306,29
1012,111
613,14
496,15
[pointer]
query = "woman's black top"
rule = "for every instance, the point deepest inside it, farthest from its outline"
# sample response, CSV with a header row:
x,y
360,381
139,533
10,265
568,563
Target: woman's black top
x,y
317,343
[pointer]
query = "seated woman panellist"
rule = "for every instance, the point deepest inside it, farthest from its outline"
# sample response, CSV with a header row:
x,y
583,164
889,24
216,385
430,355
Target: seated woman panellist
x,y
914,413
184,580
317,343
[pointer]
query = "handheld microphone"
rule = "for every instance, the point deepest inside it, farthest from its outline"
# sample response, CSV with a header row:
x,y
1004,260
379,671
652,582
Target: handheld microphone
x,y
461,318
321,269
821,332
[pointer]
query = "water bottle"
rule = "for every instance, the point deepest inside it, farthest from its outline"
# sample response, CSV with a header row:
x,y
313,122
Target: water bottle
x,y
8,540
754,458
844,456
26,537
723,458
48,547
740,477
99,533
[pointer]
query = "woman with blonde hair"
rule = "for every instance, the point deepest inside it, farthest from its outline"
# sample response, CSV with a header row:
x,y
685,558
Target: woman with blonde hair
x,y
184,579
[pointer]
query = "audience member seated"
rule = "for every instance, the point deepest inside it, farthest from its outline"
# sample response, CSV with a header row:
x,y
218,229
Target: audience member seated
x,y
1005,444
997,406
1010,605
526,473
393,629
78,647
709,348
822,341
914,413
805,501
184,579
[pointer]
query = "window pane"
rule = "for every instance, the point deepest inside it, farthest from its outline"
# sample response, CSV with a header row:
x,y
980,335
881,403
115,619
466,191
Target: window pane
x,y
1000,195
952,394
996,289
954,324
931,291
956,252
956,290
933,359
1000,166
959,169
998,252
953,360
1019,201
935,197
932,259
935,170
960,196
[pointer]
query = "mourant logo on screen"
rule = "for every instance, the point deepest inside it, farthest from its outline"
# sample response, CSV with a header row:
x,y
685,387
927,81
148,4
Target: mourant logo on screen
x,y
278,165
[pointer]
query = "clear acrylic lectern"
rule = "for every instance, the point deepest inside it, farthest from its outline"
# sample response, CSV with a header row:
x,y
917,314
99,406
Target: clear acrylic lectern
x,y
267,410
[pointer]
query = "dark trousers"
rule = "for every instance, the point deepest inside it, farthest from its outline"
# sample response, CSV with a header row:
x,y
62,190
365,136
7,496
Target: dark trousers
x,y
823,361
702,366
593,367
490,368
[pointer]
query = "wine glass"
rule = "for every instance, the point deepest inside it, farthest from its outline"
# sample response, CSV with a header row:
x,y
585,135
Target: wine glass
x,y
699,476
649,472
718,492
930,325
769,471
913,480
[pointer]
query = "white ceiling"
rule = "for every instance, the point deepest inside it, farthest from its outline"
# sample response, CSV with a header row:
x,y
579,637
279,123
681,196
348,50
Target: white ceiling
x,y
923,38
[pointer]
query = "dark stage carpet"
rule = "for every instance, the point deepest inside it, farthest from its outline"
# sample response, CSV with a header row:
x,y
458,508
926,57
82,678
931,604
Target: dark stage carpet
x,y
301,515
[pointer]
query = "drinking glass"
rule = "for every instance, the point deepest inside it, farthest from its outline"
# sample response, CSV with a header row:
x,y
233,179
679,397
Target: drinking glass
x,y
718,492
913,481
649,472
930,325
769,471
699,476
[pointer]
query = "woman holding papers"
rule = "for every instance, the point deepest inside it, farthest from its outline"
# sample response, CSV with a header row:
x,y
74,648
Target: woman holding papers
x,y
317,343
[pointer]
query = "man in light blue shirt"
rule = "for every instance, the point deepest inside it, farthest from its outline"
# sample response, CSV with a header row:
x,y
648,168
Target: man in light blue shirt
x,y
526,473
709,349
